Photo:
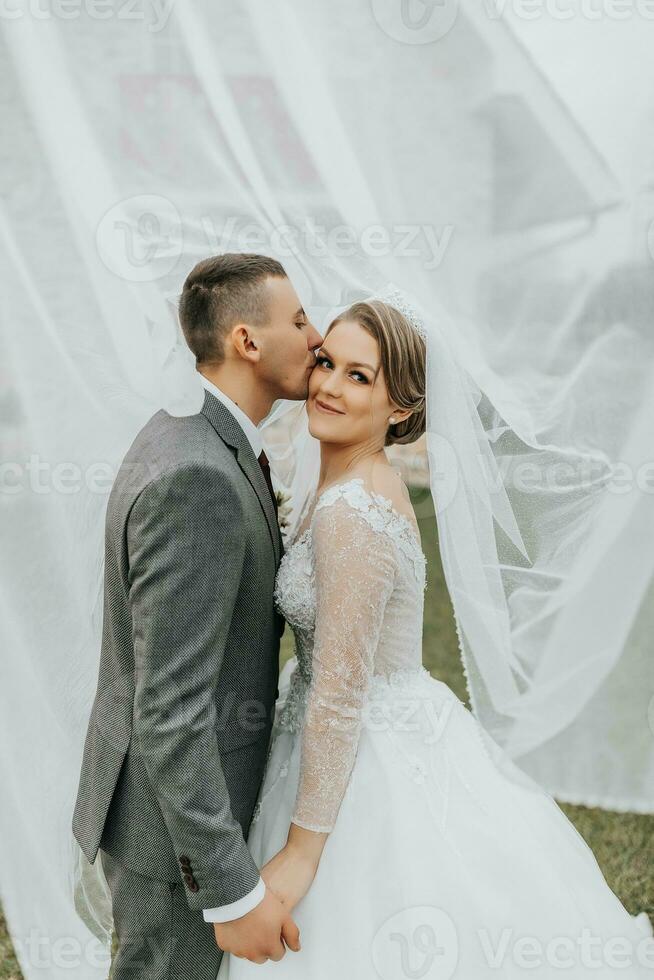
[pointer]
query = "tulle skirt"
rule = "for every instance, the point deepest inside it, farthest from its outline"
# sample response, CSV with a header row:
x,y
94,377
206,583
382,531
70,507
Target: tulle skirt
x,y
446,861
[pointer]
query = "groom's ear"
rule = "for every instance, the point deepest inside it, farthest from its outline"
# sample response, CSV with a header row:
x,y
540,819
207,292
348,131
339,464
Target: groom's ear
x,y
244,340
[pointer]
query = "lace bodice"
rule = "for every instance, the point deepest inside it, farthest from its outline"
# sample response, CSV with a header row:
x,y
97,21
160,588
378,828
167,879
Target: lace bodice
x,y
351,586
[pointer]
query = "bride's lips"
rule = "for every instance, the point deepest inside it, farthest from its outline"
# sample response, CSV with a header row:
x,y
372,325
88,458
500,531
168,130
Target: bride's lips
x,y
326,409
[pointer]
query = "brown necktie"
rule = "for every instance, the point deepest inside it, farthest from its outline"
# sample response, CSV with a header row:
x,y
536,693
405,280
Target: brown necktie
x,y
265,466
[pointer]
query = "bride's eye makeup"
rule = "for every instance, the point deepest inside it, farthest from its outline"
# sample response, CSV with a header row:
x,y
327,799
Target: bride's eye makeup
x,y
323,361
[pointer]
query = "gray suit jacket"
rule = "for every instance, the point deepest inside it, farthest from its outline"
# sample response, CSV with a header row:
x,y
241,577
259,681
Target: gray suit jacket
x,y
180,725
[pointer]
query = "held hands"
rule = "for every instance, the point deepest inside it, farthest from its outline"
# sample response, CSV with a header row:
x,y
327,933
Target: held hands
x,y
260,935
289,876
290,873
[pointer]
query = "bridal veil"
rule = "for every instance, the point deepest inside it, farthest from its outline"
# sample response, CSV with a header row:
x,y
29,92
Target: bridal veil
x,y
361,144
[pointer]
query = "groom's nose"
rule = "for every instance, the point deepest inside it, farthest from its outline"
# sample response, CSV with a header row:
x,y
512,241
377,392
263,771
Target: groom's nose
x,y
314,340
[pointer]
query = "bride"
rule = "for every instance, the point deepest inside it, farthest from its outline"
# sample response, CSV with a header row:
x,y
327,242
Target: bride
x,y
401,835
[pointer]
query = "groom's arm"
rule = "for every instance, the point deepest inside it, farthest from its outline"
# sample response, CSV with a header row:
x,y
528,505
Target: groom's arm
x,y
186,552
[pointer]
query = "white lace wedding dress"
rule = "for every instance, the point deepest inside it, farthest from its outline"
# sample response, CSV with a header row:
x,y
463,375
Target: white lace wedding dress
x,y
444,860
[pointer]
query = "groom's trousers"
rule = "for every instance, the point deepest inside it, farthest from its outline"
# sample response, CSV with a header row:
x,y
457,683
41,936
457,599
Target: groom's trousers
x,y
159,937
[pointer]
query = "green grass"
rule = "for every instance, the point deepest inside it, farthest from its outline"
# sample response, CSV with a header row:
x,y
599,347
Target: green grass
x,y
8,965
622,843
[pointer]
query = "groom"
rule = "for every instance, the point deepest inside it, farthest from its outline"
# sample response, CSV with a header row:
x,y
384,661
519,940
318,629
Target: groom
x,y
179,731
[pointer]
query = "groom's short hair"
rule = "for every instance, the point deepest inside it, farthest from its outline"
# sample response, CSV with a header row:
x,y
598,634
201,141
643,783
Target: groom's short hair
x,y
220,292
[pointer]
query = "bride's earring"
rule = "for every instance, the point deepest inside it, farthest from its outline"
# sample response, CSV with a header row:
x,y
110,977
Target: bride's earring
x,y
392,420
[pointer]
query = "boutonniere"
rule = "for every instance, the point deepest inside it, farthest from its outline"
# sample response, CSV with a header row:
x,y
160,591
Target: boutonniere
x,y
283,509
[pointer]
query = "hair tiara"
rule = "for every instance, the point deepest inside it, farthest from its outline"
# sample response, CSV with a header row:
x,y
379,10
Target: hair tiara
x,y
395,297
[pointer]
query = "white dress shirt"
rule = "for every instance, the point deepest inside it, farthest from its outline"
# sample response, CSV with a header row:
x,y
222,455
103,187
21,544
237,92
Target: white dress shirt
x,y
225,913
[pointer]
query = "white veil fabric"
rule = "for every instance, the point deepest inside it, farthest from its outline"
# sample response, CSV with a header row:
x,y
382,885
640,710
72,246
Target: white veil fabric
x,y
361,144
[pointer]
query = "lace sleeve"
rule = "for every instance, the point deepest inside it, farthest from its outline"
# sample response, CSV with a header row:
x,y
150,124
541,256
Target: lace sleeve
x,y
354,575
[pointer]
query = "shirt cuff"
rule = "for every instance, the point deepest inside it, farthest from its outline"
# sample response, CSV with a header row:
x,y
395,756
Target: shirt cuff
x,y
225,913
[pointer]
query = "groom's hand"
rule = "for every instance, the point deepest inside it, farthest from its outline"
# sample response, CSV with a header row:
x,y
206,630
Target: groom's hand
x,y
260,935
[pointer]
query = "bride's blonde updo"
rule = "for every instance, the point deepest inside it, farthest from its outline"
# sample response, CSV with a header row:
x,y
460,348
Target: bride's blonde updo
x,y
403,356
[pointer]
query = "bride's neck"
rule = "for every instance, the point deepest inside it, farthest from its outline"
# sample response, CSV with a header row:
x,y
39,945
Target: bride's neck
x,y
338,462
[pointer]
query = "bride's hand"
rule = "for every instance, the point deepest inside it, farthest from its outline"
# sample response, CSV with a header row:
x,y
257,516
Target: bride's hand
x,y
289,874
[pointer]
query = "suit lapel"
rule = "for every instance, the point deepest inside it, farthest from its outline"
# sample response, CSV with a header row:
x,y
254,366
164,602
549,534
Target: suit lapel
x,y
250,466
230,432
